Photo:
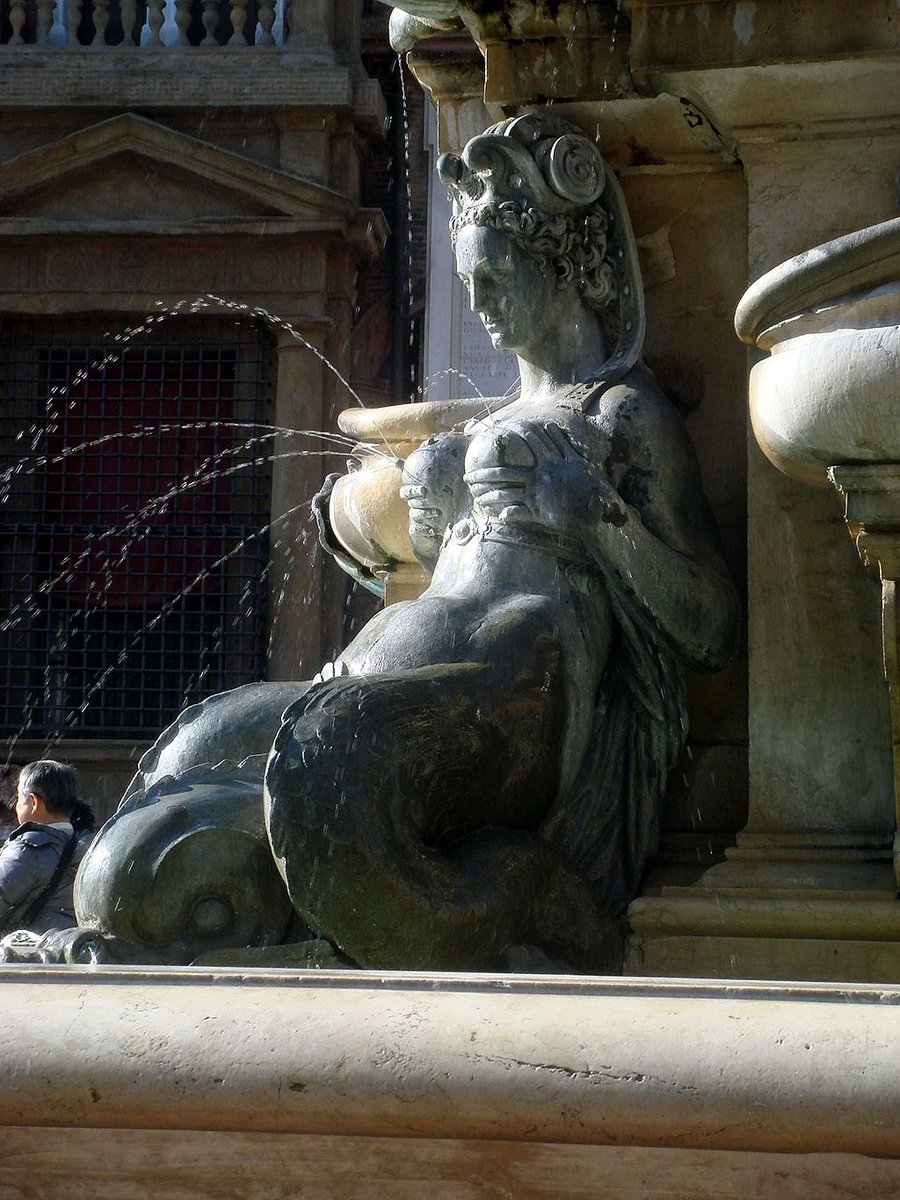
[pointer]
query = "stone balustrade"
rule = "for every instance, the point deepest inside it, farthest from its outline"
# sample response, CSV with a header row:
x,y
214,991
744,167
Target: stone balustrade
x,y
139,24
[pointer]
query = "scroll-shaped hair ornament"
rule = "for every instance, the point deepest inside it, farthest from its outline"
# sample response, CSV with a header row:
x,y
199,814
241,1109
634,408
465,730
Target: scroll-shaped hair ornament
x,y
553,165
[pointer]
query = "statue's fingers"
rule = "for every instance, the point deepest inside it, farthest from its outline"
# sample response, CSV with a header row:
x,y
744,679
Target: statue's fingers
x,y
489,478
561,439
493,502
432,516
412,491
551,439
570,446
540,441
516,514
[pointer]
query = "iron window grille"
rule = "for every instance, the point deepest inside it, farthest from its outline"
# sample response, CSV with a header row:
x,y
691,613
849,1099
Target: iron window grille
x,y
134,463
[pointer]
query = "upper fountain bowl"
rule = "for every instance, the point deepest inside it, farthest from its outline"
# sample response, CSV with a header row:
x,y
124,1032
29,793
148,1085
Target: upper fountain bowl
x,y
830,319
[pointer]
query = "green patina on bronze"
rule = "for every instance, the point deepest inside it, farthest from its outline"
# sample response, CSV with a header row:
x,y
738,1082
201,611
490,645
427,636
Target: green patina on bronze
x,y
476,782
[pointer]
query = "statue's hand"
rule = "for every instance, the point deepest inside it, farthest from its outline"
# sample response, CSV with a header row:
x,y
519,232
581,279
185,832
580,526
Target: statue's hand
x,y
432,483
433,489
541,474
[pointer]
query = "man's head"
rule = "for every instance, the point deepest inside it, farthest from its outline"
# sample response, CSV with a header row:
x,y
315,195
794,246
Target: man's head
x,y
48,792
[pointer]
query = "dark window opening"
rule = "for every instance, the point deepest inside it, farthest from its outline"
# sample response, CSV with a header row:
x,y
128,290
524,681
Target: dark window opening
x,y
133,519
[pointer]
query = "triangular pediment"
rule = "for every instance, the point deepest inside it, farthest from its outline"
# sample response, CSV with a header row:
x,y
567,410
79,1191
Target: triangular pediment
x,y
130,169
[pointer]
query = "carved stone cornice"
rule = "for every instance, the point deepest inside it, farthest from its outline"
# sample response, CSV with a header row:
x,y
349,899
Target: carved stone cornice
x,y
36,77
534,51
258,189
515,56
61,189
764,75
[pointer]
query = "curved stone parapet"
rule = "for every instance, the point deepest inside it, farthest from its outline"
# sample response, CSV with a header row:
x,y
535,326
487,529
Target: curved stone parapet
x,y
792,1067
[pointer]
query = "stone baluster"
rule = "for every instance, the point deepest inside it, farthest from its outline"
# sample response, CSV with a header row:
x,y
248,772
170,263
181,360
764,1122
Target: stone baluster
x,y
150,34
238,21
73,15
264,36
16,20
182,21
101,20
128,9
288,21
59,33
169,33
44,23
278,27
161,28
210,20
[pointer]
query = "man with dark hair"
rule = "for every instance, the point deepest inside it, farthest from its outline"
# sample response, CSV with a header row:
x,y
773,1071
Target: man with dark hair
x,y
39,859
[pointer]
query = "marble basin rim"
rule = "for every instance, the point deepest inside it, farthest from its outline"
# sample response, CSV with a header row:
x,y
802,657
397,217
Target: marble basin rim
x,y
829,318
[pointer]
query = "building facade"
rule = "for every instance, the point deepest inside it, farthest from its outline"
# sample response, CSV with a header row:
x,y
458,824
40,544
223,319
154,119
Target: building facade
x,y
187,249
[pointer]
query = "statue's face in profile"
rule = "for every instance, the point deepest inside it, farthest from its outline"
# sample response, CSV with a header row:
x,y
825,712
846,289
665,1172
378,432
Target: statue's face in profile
x,y
507,289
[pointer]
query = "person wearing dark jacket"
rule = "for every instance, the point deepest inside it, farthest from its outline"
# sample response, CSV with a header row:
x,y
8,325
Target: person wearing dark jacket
x,y
39,859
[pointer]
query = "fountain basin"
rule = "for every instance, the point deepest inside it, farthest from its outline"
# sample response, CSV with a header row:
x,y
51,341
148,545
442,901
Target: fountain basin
x,y
249,1082
830,320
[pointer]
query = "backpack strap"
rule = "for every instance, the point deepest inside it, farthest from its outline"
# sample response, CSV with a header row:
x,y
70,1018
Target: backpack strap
x,y
50,887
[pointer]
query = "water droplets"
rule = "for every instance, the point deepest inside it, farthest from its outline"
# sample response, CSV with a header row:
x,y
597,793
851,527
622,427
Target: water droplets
x,y
100,557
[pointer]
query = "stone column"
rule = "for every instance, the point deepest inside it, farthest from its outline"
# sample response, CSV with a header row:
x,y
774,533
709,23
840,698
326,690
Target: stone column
x,y
820,764
815,124
812,109
295,583
820,744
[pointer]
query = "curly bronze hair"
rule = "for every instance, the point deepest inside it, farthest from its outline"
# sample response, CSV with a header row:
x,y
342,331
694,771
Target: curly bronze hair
x,y
571,245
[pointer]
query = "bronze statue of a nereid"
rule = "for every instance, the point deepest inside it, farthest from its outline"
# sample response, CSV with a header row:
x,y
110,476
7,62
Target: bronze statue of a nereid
x,y
476,782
